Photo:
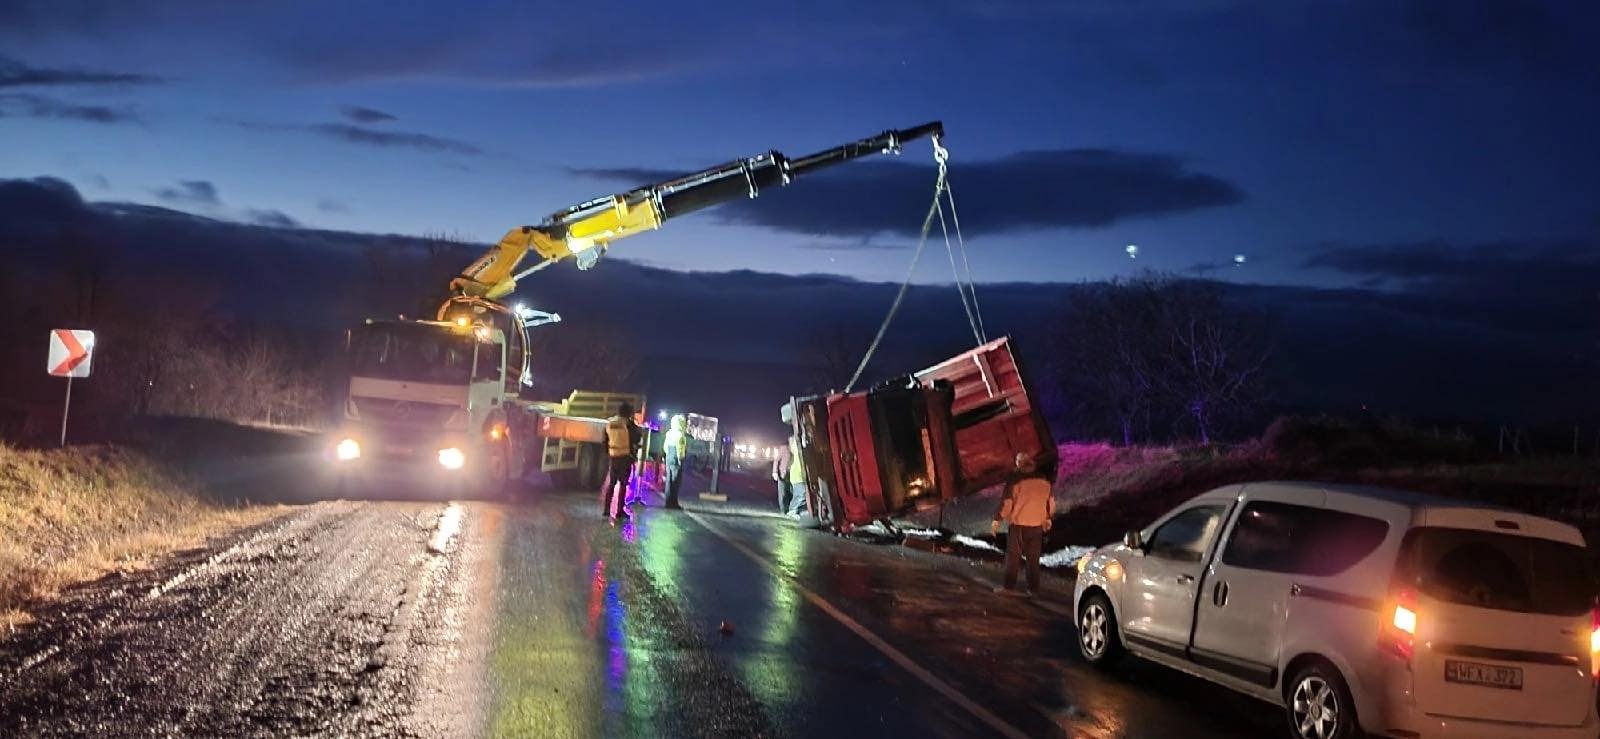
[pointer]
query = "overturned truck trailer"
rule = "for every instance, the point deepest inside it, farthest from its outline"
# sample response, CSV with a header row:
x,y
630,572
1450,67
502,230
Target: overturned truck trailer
x,y
919,440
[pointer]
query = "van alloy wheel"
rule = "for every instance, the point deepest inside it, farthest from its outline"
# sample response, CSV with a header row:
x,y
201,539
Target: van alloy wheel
x,y
1092,627
1315,707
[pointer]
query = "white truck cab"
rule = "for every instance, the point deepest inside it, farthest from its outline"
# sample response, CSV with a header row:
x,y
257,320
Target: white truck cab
x,y
428,403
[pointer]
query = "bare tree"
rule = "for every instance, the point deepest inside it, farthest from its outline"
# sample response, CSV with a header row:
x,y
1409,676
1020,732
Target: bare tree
x,y
834,352
1105,365
1212,356
594,356
1157,346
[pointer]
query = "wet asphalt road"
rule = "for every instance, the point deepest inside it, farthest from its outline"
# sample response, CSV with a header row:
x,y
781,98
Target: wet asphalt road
x,y
539,619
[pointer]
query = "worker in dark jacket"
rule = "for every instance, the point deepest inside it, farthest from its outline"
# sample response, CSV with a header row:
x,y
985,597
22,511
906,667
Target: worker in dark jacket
x,y
1028,505
622,441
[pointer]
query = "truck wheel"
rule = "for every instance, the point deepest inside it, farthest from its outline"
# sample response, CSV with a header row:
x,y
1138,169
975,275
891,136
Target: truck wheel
x,y
1098,640
1319,705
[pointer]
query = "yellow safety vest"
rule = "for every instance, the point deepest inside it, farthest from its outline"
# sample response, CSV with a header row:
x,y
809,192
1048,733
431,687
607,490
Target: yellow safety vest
x,y
618,443
797,469
676,444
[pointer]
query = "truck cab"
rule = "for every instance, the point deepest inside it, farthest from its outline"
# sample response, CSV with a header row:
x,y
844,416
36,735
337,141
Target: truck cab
x,y
427,402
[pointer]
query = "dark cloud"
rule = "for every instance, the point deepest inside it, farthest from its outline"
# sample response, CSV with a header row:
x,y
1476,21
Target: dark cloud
x,y
1449,265
1505,283
26,105
191,192
38,205
99,180
359,114
420,141
271,218
1024,191
856,245
369,137
14,73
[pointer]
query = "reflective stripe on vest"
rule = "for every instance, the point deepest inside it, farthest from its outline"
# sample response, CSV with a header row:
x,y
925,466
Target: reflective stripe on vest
x,y
617,442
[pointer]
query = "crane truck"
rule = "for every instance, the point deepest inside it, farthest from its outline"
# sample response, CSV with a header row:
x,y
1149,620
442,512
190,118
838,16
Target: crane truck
x,y
440,401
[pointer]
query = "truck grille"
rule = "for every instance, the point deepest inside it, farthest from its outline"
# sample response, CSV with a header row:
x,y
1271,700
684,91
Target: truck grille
x,y
389,410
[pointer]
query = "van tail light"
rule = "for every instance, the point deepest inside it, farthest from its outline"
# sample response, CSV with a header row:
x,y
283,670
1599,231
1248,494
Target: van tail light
x,y
1399,630
1594,640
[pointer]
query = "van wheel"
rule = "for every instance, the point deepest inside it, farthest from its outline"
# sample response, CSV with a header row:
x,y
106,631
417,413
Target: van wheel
x,y
1320,706
1098,639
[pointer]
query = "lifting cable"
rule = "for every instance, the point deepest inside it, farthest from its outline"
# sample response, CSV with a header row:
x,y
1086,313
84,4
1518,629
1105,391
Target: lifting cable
x,y
970,307
972,287
940,155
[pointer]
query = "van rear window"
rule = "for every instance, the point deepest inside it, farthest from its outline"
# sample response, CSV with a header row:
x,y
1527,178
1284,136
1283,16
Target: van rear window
x,y
1504,572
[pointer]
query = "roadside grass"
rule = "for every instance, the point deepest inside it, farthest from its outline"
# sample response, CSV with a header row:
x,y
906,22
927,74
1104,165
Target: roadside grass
x,y
76,514
1103,491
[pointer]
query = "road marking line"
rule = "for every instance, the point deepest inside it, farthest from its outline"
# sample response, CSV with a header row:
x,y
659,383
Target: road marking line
x,y
898,657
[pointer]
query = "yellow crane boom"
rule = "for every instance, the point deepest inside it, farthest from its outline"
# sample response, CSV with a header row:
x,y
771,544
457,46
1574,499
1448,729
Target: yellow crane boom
x,y
584,231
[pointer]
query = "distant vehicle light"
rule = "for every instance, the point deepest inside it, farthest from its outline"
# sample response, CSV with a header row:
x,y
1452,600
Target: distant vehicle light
x,y
497,432
347,449
482,332
451,458
462,321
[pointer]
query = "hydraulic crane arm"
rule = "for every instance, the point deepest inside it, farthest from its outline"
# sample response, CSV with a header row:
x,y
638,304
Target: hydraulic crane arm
x,y
583,231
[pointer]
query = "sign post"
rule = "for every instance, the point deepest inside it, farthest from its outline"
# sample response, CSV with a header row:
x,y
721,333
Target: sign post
x,y
70,352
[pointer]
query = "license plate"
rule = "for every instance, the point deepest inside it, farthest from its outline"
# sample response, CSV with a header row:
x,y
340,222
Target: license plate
x,y
398,451
1489,676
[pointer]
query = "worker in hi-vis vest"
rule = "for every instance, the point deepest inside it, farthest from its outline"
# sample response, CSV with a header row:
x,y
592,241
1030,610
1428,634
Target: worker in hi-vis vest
x,y
791,476
675,447
622,440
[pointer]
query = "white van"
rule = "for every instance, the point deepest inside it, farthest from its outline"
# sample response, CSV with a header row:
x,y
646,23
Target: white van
x,y
1359,609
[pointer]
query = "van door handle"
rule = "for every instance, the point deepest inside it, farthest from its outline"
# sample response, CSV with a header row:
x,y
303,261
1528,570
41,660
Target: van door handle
x,y
1219,594
1185,579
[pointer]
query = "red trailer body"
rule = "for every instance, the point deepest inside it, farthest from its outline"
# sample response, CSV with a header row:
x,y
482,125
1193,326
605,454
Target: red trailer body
x,y
857,480
994,415
950,430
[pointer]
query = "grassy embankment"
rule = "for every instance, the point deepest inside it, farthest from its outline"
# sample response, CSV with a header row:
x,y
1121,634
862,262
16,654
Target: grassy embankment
x,y
1103,491
76,514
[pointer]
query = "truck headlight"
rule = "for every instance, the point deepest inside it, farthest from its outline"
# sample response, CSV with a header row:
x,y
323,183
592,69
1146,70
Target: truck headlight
x,y
347,449
451,458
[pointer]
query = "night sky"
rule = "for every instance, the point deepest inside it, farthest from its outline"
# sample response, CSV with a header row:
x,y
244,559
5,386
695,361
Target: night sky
x,y
1374,144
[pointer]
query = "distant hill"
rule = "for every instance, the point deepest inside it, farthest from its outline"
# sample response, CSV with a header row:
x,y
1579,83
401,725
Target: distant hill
x,y
738,343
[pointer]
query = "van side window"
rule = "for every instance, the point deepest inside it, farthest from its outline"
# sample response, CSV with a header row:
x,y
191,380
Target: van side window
x,y
1184,537
1301,540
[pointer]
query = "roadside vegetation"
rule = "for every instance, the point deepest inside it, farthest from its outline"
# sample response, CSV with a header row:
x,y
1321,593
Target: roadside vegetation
x,y
1103,491
76,514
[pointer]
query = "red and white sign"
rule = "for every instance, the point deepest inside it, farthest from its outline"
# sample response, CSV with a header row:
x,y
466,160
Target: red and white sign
x,y
70,350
